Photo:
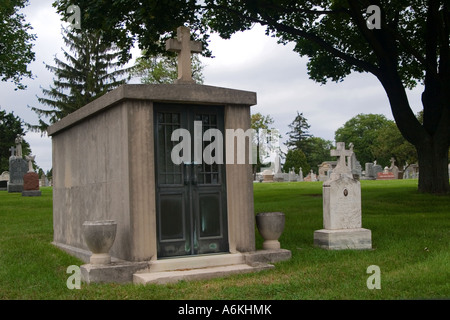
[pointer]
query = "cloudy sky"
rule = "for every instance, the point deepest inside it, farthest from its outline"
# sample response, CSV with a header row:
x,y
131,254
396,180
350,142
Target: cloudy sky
x,y
248,61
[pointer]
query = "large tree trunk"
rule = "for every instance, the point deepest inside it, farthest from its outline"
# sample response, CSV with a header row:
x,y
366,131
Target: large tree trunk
x,y
433,167
430,139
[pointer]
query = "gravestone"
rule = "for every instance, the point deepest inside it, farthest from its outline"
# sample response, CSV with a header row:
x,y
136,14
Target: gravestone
x,y
31,180
342,226
369,175
376,169
394,169
300,174
113,160
292,176
18,167
4,178
43,181
268,175
385,175
354,164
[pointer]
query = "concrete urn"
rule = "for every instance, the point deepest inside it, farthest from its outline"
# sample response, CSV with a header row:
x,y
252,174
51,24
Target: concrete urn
x,y
270,226
99,236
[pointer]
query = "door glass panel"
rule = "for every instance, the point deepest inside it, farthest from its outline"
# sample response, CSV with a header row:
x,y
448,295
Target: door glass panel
x,y
168,172
210,215
172,217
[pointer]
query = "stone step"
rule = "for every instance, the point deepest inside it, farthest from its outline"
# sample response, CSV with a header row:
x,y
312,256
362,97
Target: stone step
x,y
172,276
195,262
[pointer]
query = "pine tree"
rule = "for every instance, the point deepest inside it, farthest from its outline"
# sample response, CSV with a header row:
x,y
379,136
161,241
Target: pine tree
x,y
92,70
299,132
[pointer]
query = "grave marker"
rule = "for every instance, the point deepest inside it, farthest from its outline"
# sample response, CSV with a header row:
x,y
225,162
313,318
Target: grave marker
x,y
342,208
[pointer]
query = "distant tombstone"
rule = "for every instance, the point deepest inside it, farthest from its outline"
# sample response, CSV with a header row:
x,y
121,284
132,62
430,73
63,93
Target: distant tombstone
x,y
377,169
4,178
385,175
292,175
43,181
267,175
18,167
342,209
31,180
369,171
300,174
279,176
394,169
354,164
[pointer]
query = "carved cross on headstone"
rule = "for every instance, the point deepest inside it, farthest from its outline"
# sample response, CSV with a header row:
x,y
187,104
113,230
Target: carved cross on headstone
x,y
184,47
13,150
341,153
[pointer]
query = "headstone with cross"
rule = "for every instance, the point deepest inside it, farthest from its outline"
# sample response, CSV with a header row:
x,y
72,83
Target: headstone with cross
x,y
342,168
184,47
342,208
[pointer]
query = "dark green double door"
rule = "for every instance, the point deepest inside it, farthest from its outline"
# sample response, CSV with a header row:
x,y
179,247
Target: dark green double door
x,y
190,196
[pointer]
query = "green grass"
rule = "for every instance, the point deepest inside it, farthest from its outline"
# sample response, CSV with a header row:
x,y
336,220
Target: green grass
x,y
410,238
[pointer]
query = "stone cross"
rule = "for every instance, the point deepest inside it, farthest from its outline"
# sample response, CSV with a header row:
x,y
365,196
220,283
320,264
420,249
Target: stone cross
x,y
30,160
392,162
341,153
18,141
184,47
13,150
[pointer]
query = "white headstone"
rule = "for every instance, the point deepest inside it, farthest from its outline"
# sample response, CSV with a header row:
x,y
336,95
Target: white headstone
x,y
342,208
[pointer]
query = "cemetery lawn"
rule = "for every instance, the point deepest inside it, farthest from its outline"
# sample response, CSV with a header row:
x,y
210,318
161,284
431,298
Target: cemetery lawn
x,y
410,239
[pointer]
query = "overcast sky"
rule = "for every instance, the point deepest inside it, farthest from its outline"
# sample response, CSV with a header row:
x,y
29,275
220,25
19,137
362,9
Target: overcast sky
x,y
250,61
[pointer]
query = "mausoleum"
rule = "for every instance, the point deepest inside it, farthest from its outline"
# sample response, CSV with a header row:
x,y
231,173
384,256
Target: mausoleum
x,y
112,160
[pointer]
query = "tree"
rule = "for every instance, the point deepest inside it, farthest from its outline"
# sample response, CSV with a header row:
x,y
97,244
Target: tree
x,y
317,150
15,43
90,72
261,125
299,132
363,131
401,43
295,158
162,69
390,143
10,127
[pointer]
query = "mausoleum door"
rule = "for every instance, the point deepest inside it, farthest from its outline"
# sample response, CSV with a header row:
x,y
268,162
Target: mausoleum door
x,y
190,196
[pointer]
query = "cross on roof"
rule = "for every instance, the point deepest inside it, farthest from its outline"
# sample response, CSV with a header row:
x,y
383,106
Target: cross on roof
x,y
184,46
341,153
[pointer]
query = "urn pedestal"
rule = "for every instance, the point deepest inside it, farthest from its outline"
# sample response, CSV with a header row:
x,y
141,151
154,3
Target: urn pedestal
x,y
270,226
99,237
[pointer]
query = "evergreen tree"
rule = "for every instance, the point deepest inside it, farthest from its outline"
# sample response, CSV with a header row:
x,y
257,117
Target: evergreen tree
x,y
92,70
299,132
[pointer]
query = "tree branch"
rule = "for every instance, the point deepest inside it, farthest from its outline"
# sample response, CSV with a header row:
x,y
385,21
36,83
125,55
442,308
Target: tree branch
x,y
267,21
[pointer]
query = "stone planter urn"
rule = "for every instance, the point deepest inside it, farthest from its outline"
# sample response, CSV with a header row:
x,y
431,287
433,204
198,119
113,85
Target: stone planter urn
x,y
270,226
99,237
